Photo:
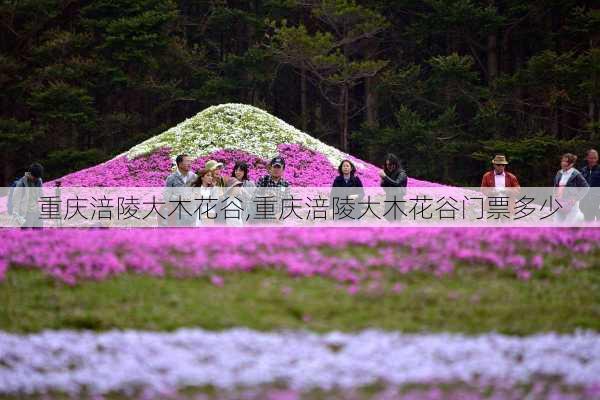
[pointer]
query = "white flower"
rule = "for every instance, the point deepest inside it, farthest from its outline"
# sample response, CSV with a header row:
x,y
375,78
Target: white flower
x,y
234,126
68,361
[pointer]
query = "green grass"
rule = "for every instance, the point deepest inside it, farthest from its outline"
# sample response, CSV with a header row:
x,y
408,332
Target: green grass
x,y
373,391
472,300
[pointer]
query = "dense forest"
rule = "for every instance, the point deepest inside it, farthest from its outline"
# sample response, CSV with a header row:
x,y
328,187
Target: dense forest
x,y
443,83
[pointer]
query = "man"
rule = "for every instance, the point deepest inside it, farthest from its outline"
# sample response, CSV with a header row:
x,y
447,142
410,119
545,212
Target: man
x,y
26,195
500,182
275,177
181,178
499,178
590,205
273,180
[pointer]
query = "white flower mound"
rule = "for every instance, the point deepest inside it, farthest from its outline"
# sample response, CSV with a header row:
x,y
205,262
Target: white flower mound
x,y
121,361
234,126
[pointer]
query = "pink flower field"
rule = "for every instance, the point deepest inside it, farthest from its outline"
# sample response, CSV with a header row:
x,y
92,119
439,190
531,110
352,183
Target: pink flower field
x,y
358,261
304,168
74,255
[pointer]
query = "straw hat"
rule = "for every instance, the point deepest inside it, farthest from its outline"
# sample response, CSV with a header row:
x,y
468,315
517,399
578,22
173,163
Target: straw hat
x,y
212,164
499,159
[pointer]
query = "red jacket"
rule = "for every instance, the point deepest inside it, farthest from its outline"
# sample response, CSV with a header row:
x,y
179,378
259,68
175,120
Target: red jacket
x,y
489,181
510,181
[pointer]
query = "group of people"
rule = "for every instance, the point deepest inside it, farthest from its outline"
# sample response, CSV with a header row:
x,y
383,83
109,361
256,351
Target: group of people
x,y
580,205
498,180
239,188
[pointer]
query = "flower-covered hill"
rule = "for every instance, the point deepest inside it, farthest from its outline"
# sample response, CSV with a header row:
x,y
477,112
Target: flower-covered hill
x,y
234,132
227,132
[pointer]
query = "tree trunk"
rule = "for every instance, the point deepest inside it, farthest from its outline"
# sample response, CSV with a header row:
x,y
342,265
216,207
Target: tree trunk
x,y
592,105
519,94
371,102
555,125
492,57
372,119
345,105
343,118
303,96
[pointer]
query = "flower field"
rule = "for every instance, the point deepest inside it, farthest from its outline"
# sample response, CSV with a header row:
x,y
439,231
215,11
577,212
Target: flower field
x,y
354,257
370,266
66,361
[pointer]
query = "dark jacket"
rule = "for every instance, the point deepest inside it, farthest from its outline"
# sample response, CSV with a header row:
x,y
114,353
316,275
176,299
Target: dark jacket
x,y
353,182
340,196
592,176
576,180
25,198
396,179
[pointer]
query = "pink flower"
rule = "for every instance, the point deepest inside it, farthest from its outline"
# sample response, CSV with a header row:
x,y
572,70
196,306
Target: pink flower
x,y
217,280
398,288
352,289
537,262
286,290
524,275
283,395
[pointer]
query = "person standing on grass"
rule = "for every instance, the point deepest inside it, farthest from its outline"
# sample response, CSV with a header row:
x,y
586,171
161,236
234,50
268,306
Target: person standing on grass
x,y
176,182
275,176
393,177
498,179
219,182
205,199
347,184
216,168
183,175
590,205
570,187
27,192
247,189
501,183
276,187
232,205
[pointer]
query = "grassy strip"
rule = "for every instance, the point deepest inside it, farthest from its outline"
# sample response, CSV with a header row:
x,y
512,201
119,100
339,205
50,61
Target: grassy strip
x,y
543,388
471,300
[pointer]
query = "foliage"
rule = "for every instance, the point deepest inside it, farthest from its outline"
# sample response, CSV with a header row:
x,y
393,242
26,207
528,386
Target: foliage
x,y
445,82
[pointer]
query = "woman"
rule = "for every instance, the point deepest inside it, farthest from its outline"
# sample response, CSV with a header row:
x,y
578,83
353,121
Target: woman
x,y
232,205
240,172
247,189
206,197
570,187
347,185
393,177
216,168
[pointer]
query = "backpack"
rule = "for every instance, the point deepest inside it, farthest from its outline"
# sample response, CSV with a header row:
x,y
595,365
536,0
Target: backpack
x,y
10,196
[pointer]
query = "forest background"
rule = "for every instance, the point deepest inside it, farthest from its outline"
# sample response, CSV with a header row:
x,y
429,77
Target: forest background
x,y
443,84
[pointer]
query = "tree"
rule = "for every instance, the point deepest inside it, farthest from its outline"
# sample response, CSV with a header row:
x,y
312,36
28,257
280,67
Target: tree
x,y
328,56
